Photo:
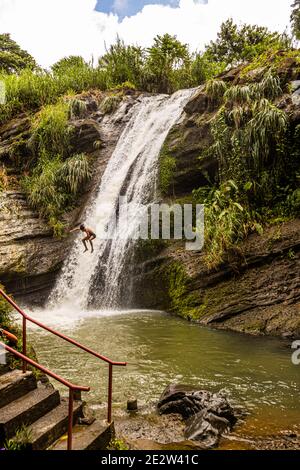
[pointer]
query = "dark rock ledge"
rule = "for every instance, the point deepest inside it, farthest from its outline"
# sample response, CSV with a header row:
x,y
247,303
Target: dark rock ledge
x,y
207,415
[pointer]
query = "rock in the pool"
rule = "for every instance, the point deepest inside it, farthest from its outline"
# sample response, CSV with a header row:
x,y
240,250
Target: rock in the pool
x,y
187,401
208,414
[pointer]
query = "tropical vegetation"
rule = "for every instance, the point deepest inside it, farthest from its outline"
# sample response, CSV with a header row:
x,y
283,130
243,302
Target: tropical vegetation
x,y
253,142
257,150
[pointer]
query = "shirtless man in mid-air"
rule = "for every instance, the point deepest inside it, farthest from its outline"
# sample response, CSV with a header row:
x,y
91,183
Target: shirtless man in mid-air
x,y
90,236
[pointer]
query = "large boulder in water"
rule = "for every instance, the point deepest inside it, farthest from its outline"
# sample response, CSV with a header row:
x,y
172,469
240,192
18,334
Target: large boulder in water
x,y
208,414
187,401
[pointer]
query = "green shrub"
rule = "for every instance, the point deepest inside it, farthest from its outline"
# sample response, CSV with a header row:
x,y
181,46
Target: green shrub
x,y
227,220
42,190
125,86
77,108
31,90
51,132
110,103
247,131
5,310
21,440
74,173
257,158
53,186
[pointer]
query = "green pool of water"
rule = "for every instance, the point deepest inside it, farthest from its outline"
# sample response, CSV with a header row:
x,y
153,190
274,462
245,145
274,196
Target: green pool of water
x,y
256,372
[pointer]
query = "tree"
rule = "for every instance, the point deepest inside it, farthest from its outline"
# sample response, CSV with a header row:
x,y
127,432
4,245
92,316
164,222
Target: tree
x,y
123,63
63,65
295,18
203,69
12,57
237,44
168,59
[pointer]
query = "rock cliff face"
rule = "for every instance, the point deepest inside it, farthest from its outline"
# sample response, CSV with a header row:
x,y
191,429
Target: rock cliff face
x,y
30,256
258,289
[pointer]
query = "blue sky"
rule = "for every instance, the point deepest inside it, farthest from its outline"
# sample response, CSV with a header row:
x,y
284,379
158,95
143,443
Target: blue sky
x,y
124,8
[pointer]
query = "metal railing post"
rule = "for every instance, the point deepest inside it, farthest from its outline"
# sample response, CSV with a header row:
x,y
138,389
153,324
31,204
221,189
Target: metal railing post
x,y
24,345
109,404
70,418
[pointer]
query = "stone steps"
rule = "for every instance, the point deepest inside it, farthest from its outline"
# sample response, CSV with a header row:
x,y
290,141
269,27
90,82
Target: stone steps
x,y
27,409
53,425
40,409
96,436
15,384
4,369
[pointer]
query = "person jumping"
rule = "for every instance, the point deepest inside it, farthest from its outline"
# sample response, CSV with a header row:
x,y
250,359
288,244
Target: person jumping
x,y
90,236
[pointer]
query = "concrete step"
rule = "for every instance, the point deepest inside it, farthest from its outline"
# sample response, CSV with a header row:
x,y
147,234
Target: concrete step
x,y
4,368
53,425
15,384
96,436
27,409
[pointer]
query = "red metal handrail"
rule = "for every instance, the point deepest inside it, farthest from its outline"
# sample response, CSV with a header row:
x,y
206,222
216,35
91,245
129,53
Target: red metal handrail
x,y
69,340
72,387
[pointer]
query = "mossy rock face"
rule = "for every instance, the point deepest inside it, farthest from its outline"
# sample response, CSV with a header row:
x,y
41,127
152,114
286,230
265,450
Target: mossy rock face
x,y
86,137
167,169
181,165
256,293
28,250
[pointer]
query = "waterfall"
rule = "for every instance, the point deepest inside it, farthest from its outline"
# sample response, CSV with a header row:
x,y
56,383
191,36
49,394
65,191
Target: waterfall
x,y
89,280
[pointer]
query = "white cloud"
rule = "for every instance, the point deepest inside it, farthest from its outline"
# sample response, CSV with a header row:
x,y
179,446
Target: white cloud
x,y
51,29
120,5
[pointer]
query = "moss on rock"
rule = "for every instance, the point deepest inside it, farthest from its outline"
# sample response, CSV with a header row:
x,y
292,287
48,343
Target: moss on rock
x,y
167,167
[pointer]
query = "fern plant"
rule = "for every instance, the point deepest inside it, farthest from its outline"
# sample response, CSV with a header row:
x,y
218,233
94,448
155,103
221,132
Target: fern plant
x,y
227,220
77,108
75,172
269,87
216,89
249,135
238,95
52,187
247,129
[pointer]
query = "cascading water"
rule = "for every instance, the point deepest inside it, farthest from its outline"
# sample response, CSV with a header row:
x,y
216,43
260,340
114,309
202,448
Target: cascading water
x,y
95,279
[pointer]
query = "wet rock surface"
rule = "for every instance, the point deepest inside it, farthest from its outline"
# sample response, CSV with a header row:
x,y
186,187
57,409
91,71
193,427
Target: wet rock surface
x,y
206,427
187,401
208,414
29,254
